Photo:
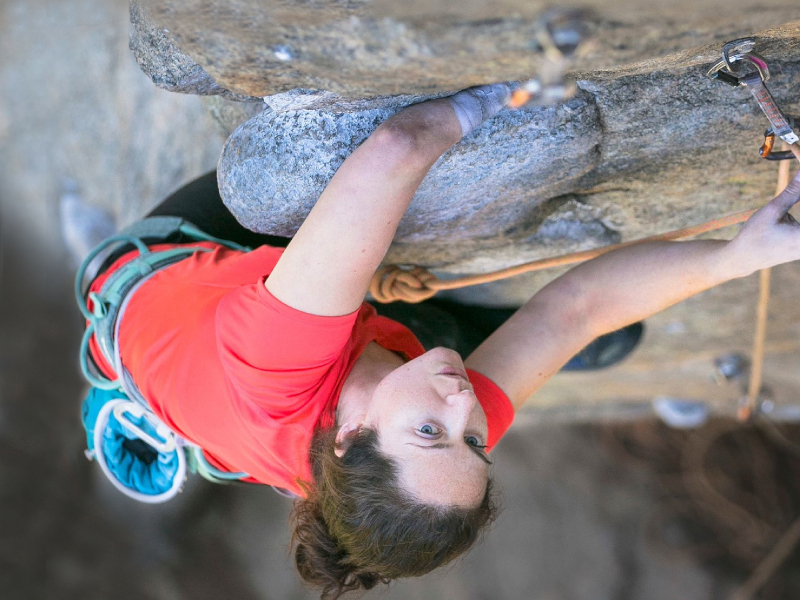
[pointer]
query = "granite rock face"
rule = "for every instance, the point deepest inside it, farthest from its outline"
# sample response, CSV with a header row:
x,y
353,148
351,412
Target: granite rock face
x,y
505,180
165,63
648,143
230,114
629,156
367,48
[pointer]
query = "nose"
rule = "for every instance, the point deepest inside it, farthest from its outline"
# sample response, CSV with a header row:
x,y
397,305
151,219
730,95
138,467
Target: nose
x,y
461,406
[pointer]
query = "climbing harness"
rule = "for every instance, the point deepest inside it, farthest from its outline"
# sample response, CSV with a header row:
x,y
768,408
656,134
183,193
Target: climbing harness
x,y
136,451
732,69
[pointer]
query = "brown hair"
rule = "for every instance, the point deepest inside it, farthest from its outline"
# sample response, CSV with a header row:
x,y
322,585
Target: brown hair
x,y
357,528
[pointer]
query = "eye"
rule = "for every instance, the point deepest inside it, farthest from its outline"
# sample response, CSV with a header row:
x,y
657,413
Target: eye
x,y
474,441
429,431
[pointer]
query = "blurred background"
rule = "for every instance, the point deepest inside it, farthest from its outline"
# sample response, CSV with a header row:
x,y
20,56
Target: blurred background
x,y
602,501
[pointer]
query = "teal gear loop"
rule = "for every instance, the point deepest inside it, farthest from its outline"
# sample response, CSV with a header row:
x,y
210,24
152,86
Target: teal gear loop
x,y
79,294
199,464
102,383
108,301
186,228
145,264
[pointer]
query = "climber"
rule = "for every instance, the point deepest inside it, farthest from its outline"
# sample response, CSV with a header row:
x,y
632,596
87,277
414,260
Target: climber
x,y
272,363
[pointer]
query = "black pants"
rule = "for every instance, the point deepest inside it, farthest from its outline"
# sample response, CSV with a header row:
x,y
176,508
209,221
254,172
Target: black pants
x,y
434,322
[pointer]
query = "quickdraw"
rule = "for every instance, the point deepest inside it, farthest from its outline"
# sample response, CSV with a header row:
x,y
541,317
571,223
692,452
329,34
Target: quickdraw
x,y
732,69
769,141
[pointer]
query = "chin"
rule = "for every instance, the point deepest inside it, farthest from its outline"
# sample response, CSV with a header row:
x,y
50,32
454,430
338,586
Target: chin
x,y
445,354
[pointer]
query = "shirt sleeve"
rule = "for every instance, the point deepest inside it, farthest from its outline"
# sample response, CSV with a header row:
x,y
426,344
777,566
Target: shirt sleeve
x,y
498,408
273,354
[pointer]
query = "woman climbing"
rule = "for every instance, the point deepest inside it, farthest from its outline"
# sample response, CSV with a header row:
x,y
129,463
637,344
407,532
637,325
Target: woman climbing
x,y
272,362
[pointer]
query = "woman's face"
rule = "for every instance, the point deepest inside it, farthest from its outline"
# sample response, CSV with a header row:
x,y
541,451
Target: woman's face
x,y
430,422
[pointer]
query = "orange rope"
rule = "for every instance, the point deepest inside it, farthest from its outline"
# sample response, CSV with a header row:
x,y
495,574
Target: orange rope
x,y
754,386
756,371
391,283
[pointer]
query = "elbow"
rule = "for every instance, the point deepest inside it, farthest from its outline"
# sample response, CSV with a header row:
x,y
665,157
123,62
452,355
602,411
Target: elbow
x,y
570,308
593,314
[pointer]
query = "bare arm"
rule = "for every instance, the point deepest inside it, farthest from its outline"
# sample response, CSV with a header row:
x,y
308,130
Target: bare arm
x,y
327,267
623,287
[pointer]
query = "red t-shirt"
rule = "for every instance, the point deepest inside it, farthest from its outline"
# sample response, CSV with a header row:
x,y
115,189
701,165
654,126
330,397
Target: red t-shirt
x,y
231,368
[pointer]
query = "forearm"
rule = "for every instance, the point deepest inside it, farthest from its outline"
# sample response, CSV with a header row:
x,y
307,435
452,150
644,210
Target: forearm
x,y
633,283
346,234
368,198
597,297
626,286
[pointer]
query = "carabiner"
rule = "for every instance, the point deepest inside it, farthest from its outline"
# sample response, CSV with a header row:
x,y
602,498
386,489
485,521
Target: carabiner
x,y
165,445
734,53
769,142
766,148
738,46
742,49
732,75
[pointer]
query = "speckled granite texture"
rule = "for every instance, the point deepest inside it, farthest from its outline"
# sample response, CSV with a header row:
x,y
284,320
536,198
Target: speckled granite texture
x,y
367,48
629,156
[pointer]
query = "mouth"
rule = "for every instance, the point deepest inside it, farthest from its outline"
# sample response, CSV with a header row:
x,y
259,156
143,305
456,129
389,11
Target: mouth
x,y
454,372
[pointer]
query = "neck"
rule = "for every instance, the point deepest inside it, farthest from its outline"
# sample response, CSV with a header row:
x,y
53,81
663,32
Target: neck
x,y
372,366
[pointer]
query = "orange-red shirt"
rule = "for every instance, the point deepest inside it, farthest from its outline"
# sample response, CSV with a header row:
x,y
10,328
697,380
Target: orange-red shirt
x,y
231,368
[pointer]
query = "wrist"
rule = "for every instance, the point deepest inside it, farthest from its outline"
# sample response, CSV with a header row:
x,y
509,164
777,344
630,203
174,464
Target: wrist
x,y
731,261
475,105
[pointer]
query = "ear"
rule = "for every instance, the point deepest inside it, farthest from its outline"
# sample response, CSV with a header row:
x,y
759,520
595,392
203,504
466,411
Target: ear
x,y
344,438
